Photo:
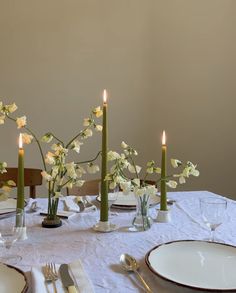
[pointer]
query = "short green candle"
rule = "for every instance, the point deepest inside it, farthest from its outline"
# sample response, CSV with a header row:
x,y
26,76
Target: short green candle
x,y
20,176
104,184
163,205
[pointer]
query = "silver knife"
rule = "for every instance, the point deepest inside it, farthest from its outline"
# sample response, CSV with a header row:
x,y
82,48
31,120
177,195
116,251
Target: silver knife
x,y
66,279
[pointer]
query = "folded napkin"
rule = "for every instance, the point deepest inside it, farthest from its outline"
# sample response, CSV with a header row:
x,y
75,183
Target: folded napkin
x,y
191,207
80,277
78,204
71,205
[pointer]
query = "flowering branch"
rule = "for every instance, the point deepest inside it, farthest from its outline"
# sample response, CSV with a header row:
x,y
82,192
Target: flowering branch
x,y
126,162
60,174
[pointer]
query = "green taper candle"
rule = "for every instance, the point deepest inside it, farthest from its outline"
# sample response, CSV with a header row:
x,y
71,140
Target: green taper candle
x,y
20,176
163,173
104,184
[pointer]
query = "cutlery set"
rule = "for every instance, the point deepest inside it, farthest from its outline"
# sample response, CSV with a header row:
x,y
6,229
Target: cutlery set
x,y
51,275
128,262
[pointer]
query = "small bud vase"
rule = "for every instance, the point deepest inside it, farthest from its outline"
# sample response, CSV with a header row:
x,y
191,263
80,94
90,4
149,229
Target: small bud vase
x,y
142,221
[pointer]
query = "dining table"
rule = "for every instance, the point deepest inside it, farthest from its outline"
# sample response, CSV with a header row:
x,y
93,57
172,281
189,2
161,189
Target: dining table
x,y
100,253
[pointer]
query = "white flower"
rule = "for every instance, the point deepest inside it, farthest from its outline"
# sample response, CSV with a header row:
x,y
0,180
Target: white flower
x,y
139,191
27,138
157,170
118,179
87,133
11,183
87,122
7,189
50,159
21,121
80,171
171,183
79,183
71,172
75,145
150,163
124,145
97,112
175,163
3,166
195,173
136,182
182,180
2,119
46,176
112,185
186,172
47,137
59,150
57,195
135,152
151,190
92,169
69,184
11,108
55,171
111,156
125,186
150,170
133,169
98,127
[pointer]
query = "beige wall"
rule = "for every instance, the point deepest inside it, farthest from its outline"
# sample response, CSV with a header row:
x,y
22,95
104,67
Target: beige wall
x,y
166,64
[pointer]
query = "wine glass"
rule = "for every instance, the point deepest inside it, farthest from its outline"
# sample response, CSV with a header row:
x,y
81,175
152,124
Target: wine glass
x,y
213,212
10,232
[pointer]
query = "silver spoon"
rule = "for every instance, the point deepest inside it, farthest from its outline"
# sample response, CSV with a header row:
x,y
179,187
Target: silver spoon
x,y
130,264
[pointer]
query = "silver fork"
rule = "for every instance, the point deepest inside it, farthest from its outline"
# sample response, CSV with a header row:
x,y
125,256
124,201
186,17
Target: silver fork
x,y
50,274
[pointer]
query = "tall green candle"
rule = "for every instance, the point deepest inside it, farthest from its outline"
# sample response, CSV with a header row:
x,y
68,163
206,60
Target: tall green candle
x,y
20,176
104,184
163,173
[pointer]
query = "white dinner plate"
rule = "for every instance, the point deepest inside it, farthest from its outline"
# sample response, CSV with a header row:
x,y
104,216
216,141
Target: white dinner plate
x,y
12,279
198,265
7,206
129,201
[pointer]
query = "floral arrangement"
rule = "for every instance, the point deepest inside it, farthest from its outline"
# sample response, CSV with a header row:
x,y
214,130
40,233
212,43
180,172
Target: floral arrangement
x,y
126,173
58,172
6,186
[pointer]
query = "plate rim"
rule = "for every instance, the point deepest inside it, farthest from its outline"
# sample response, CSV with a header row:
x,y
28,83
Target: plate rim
x,y
12,209
178,283
26,287
127,207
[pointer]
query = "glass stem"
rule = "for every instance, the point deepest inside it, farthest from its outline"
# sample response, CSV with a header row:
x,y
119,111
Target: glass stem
x,y
212,234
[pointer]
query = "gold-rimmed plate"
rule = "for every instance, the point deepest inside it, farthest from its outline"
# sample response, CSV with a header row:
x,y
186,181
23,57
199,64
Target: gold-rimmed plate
x,y
7,207
197,265
12,279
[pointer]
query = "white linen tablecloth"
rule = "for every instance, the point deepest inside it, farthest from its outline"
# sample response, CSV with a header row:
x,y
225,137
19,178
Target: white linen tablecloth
x,y
100,252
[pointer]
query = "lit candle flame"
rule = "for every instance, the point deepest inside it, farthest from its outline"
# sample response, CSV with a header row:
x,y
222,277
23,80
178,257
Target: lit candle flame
x,y
20,141
105,96
163,137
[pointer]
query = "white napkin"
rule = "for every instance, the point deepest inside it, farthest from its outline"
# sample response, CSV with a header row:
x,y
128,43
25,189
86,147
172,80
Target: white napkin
x,y
71,204
80,277
191,208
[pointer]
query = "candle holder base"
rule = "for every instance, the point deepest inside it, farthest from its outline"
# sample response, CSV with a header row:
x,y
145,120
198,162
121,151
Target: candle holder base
x,y
163,216
105,227
48,223
22,233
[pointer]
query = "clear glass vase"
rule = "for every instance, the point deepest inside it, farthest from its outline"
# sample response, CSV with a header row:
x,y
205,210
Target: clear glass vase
x,y
142,221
